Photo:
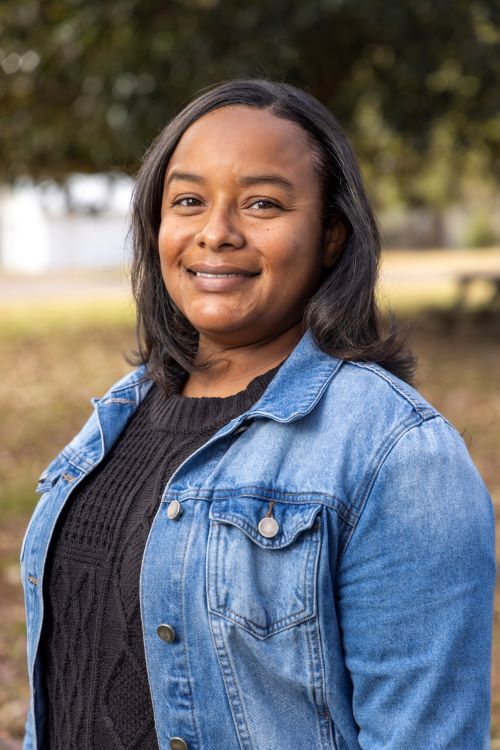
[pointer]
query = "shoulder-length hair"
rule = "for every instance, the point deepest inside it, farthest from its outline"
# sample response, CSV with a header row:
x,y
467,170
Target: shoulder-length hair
x,y
342,314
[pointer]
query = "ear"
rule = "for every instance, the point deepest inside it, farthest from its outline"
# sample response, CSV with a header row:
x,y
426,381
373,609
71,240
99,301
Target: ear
x,y
335,236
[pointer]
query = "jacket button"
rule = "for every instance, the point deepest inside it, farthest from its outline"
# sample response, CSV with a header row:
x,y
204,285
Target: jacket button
x,y
177,743
268,527
174,510
166,633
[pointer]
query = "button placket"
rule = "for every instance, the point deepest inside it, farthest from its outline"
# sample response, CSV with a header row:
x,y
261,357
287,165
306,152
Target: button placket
x,y
165,631
176,689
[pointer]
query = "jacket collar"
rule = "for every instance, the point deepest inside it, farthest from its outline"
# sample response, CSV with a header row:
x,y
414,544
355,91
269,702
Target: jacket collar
x,y
299,383
293,392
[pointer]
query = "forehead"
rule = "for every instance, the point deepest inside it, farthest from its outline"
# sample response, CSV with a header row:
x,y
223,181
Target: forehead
x,y
244,138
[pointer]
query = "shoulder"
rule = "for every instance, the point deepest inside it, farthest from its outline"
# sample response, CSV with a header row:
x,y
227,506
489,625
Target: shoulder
x,y
365,402
376,418
425,451
134,381
410,462
371,386
109,417
402,407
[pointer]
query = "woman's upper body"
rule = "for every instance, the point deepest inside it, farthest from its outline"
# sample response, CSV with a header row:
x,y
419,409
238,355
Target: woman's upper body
x,y
91,653
360,619
319,571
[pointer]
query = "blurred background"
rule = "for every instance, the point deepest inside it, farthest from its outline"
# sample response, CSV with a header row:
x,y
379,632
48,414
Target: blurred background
x,y
84,88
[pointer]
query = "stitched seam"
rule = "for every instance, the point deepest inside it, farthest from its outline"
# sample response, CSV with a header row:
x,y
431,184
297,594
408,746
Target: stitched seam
x,y
36,538
116,400
372,480
233,690
323,716
290,619
305,407
267,543
147,655
185,641
421,409
83,464
252,627
367,480
276,494
349,515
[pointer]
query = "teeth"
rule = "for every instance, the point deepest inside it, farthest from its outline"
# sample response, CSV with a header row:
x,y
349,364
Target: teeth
x,y
216,275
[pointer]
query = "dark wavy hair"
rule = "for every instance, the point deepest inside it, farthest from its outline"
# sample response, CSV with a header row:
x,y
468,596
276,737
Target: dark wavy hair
x,y
342,314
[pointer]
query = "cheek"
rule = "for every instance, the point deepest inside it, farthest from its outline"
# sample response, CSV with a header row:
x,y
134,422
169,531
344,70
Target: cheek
x,y
294,242
168,248
172,237
163,242
295,258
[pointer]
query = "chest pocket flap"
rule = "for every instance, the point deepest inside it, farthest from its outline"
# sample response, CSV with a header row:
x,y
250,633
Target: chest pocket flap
x,y
264,584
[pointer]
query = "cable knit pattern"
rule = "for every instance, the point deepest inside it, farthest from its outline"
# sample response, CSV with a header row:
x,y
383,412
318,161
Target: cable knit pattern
x,y
91,649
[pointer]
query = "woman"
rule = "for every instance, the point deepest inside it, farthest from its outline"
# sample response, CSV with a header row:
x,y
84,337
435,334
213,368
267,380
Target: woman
x,y
271,539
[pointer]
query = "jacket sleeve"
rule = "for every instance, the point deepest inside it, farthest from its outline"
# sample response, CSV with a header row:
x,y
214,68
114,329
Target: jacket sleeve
x,y
415,598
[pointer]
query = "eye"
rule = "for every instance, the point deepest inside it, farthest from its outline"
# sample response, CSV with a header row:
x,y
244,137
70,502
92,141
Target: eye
x,y
187,202
263,203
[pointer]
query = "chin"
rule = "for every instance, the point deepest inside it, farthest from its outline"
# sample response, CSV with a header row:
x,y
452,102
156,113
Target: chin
x,y
220,324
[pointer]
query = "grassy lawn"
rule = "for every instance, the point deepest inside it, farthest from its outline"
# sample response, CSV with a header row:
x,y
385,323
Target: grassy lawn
x,y
57,355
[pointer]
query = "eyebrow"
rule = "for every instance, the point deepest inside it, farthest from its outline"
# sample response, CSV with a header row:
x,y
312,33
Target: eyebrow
x,y
258,179
187,176
271,179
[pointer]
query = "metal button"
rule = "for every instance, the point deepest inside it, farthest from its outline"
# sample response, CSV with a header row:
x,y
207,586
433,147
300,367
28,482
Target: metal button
x,y
174,510
268,527
166,633
177,743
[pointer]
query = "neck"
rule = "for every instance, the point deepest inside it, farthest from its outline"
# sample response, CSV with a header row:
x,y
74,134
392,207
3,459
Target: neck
x,y
235,366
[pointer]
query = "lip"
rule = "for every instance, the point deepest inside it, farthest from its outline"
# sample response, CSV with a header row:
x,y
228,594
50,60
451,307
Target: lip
x,y
234,279
219,268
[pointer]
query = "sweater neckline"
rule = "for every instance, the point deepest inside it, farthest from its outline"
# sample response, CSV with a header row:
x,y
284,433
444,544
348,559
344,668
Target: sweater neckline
x,y
175,412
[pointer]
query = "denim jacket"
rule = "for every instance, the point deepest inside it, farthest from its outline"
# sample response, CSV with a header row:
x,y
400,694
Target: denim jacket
x,y
358,615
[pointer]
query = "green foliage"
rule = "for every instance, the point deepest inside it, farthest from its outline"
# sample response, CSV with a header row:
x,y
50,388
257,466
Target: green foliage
x,y
480,231
85,85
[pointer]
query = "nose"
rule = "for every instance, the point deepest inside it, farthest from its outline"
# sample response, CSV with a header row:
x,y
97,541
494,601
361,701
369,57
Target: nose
x,y
220,230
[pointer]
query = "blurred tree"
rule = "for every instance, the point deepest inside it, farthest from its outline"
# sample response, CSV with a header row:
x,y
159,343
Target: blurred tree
x,y
85,84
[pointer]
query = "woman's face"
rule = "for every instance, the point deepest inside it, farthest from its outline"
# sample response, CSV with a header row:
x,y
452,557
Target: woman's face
x,y
240,241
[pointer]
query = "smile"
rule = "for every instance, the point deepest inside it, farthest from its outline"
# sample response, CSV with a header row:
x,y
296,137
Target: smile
x,y
220,281
219,275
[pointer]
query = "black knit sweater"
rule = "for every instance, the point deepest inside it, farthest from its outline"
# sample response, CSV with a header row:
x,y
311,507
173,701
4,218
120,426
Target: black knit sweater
x,y
91,650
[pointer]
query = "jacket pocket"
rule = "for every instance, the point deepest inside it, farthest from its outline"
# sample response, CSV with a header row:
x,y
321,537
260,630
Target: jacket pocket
x,y
263,582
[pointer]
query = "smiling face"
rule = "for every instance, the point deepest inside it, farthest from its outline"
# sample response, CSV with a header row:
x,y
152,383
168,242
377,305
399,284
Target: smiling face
x,y
241,242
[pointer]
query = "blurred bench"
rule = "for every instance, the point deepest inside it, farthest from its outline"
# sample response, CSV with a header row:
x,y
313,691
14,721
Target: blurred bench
x,y
467,280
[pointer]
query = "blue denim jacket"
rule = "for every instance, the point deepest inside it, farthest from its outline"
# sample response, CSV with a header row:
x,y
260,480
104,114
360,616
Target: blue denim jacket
x,y
360,618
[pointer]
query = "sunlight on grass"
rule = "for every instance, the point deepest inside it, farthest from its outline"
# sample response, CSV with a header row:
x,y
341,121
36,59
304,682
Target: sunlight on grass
x,y
405,299
58,317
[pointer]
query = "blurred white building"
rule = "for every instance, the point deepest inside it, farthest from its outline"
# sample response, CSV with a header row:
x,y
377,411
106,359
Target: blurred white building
x,y
82,224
